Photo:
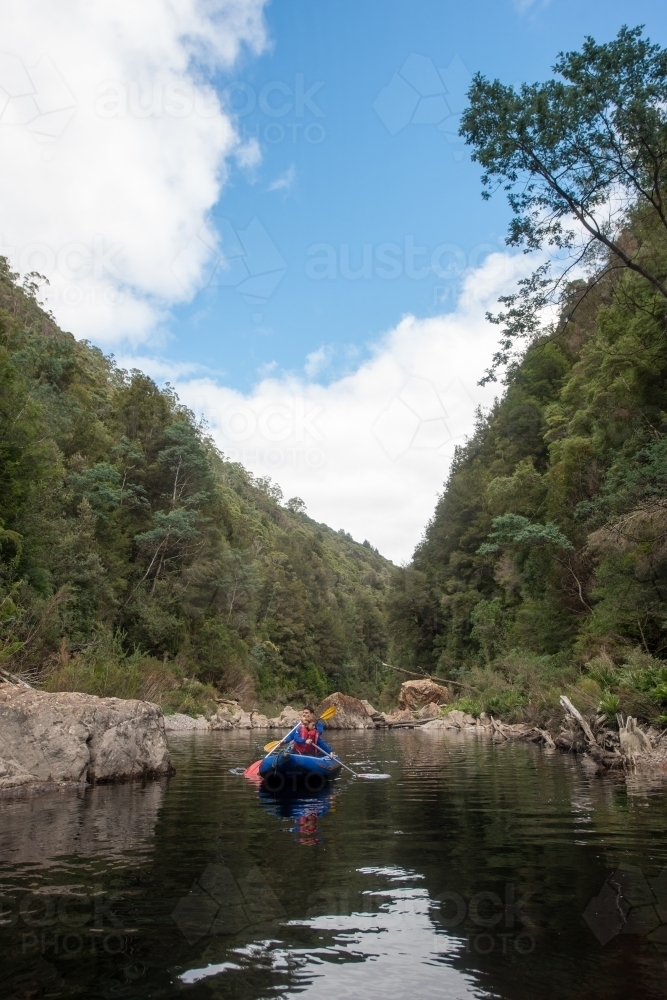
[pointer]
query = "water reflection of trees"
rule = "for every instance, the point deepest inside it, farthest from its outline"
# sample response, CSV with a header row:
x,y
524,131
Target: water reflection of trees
x,y
433,865
522,839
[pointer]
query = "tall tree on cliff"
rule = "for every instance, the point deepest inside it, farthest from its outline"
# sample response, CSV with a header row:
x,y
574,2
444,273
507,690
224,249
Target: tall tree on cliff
x,y
578,157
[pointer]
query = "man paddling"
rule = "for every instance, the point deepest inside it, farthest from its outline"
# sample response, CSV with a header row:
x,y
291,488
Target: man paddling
x,y
307,735
305,738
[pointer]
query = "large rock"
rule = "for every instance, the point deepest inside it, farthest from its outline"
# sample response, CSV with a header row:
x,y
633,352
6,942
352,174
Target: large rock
x,y
287,719
231,716
350,712
259,721
415,694
455,719
430,711
179,723
52,739
400,718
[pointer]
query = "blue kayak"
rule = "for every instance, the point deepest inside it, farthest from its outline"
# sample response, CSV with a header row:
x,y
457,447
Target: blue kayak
x,y
285,771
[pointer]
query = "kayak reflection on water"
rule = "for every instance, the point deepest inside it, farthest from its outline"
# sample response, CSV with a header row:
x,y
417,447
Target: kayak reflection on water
x,y
305,809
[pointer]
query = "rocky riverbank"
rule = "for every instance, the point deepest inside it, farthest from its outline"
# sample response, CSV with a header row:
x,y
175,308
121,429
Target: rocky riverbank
x,y
351,713
423,704
51,740
601,747
419,701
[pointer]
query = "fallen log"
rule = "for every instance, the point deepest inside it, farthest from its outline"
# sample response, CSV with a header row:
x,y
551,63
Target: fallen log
x,y
546,737
633,740
575,714
499,729
13,679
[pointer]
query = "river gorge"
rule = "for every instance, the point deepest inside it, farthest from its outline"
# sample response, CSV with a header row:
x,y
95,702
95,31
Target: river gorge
x,y
478,870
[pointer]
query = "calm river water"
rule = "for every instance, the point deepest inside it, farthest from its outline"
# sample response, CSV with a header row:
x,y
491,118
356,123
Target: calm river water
x,y
476,871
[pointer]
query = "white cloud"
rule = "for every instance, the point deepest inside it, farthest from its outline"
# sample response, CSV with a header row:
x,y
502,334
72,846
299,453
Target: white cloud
x,y
318,361
370,451
114,149
523,5
285,181
248,154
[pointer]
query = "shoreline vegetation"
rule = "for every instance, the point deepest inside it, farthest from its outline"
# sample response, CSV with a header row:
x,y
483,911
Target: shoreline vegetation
x,y
137,561
543,570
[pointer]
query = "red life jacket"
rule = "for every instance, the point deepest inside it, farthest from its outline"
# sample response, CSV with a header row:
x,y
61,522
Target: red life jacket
x,y
306,748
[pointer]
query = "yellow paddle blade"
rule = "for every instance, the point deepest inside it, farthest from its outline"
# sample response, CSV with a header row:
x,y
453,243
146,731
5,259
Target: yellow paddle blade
x,y
273,745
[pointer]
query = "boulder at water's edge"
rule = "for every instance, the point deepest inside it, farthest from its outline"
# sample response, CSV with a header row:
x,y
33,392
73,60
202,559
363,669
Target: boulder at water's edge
x,y
415,694
54,739
350,712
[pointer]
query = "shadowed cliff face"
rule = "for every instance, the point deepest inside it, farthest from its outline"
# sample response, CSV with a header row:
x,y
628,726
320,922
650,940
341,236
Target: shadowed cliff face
x,y
477,870
106,821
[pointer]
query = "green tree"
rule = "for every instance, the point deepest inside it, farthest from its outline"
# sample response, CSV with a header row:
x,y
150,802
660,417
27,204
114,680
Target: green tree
x,y
577,157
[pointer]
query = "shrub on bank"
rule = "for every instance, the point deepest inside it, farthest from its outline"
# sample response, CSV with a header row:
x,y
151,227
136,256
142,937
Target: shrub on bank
x,y
521,687
104,669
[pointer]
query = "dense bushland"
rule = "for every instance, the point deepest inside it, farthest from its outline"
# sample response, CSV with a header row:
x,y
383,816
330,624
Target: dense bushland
x,y
545,562
136,560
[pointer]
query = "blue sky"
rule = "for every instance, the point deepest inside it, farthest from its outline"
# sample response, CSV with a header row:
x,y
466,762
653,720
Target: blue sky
x,y
268,206
332,173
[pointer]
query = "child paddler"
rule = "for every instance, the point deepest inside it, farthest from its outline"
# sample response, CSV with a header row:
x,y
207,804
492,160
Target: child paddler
x,y
308,734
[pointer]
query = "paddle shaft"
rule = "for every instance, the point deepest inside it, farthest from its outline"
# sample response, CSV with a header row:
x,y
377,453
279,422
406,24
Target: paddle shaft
x,y
337,758
279,743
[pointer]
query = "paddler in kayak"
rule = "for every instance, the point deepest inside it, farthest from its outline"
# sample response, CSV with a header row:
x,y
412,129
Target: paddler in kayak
x,y
307,735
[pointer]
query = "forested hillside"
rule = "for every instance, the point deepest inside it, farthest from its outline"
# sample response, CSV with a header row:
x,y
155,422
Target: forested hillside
x,y
544,567
136,560
545,562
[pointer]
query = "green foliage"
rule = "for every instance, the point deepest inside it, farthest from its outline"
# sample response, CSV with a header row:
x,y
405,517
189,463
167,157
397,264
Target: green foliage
x,y
549,541
468,705
506,703
119,517
551,530
609,704
563,151
514,529
486,619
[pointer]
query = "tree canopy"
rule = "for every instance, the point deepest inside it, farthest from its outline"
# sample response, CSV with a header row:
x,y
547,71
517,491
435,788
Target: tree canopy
x,y
544,566
133,555
579,158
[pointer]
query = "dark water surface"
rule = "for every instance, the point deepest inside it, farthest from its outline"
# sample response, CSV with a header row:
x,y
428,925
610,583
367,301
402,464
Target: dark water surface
x,y
477,871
